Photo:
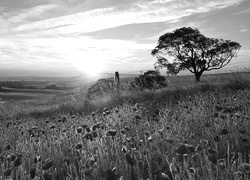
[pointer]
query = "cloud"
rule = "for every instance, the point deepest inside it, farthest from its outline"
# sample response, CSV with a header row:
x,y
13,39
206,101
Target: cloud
x,y
144,12
33,14
242,12
35,37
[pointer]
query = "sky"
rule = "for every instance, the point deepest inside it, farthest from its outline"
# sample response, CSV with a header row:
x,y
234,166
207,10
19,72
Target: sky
x,y
67,37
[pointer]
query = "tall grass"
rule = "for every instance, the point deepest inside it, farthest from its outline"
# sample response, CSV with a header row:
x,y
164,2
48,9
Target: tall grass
x,y
202,135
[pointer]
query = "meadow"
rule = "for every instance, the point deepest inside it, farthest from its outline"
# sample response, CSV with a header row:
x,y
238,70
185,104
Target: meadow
x,y
187,130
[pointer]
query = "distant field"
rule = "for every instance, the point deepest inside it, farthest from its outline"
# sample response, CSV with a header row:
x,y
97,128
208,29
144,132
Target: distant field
x,y
26,94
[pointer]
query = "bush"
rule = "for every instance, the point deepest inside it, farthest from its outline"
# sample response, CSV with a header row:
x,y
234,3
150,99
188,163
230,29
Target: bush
x,y
150,80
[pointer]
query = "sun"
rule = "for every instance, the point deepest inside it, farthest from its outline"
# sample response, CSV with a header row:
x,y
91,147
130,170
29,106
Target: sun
x,y
88,64
90,68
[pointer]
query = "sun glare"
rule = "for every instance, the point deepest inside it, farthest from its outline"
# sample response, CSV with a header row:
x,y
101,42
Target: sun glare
x,y
90,68
88,63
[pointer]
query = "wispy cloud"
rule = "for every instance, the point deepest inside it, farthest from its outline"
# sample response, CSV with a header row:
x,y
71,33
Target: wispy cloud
x,y
34,14
242,12
144,12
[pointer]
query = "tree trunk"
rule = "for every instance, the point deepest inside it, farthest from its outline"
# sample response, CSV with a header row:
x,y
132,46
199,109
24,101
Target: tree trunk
x,y
197,77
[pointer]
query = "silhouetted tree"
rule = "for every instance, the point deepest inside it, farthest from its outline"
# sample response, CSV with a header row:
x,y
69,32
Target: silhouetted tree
x,y
193,51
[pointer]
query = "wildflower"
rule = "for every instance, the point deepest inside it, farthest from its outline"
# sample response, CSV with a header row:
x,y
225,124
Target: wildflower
x,y
244,140
111,133
64,119
224,131
228,110
242,131
34,127
127,128
222,164
146,133
52,127
181,149
190,147
218,108
88,136
130,160
18,161
7,147
212,156
135,109
94,134
87,129
157,111
123,131
7,172
167,127
12,157
207,124
48,163
78,146
84,126
137,117
79,129
170,141
32,173
96,126
48,176
110,174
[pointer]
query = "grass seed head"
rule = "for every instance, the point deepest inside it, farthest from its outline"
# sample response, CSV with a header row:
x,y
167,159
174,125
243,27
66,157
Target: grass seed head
x,y
244,168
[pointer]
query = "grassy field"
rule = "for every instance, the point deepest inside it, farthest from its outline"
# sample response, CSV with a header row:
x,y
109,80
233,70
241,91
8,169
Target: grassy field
x,y
185,131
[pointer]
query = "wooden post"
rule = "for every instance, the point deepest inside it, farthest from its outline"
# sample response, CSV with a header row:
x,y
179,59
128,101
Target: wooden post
x,y
117,79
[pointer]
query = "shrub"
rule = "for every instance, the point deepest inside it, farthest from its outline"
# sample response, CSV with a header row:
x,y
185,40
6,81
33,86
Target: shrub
x,y
150,80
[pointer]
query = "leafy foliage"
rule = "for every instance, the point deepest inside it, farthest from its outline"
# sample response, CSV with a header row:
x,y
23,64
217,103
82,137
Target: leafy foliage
x,y
193,51
151,80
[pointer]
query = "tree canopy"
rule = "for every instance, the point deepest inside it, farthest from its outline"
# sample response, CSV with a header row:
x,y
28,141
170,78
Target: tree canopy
x,y
193,51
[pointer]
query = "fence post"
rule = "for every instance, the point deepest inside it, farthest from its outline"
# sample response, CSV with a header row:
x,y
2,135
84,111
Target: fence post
x,y
117,79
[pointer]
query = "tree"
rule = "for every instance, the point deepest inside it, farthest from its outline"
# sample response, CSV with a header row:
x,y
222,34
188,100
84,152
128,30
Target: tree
x,y
193,51
150,80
